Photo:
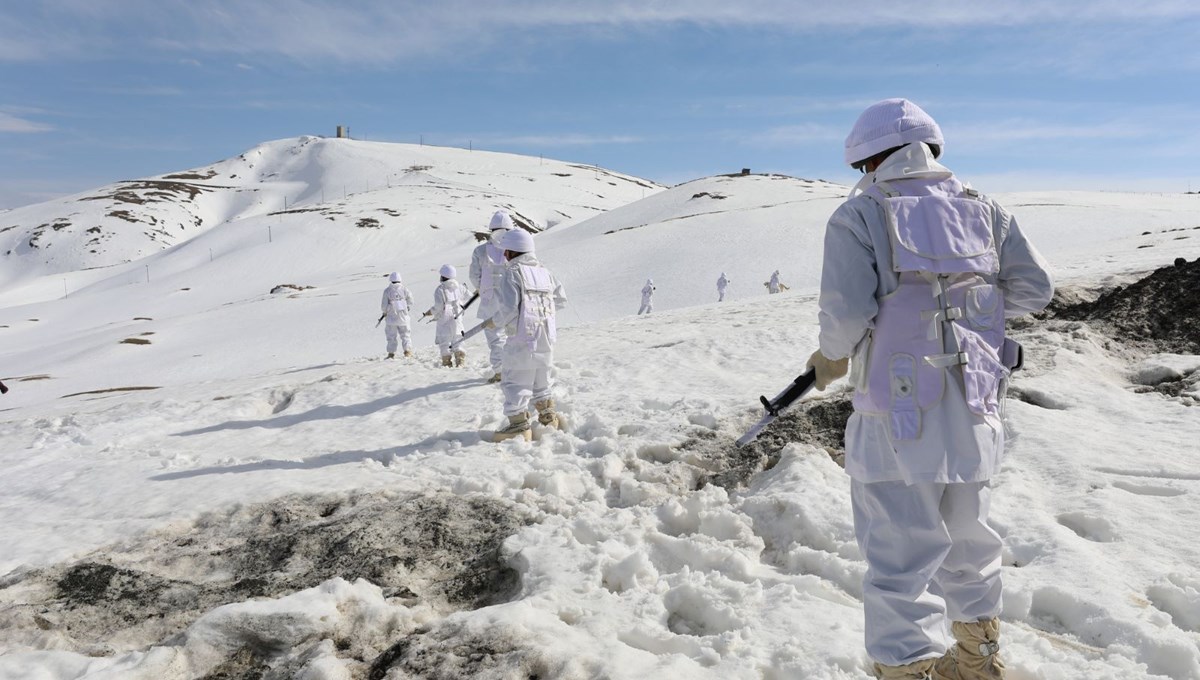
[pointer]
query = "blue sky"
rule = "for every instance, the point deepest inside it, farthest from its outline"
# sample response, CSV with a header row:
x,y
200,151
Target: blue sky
x,y
1030,95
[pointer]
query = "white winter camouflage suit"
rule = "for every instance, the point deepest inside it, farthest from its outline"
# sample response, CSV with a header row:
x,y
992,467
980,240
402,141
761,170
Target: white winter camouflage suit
x,y
396,303
526,377
487,266
920,505
647,298
448,299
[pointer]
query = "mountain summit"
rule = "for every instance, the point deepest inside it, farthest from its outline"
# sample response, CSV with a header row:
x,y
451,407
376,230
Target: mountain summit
x,y
347,183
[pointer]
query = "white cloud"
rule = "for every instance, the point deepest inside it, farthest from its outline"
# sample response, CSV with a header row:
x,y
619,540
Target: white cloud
x,y
790,135
381,31
495,141
163,91
561,140
1043,180
17,192
1004,132
13,124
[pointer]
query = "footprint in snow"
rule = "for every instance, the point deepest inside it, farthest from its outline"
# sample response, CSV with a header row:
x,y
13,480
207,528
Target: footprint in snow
x,y
1087,526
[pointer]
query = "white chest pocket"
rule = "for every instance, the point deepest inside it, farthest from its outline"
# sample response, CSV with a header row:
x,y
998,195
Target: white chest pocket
x,y
982,302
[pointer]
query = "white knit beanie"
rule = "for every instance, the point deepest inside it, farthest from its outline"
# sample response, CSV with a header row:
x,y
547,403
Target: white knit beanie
x,y
448,271
500,220
517,240
888,124
395,277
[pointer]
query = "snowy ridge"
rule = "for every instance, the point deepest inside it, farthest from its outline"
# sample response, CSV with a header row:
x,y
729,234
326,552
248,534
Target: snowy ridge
x,y
684,237
343,181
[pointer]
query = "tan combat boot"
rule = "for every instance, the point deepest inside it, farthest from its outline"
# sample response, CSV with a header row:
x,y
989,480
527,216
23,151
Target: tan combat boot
x,y
546,414
408,354
917,670
494,378
977,654
518,426
460,358
448,361
391,355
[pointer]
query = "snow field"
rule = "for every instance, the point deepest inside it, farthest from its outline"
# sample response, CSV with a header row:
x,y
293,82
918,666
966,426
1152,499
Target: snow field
x,y
630,568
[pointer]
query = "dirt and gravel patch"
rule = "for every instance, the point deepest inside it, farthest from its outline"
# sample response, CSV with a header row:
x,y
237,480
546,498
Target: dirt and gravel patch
x,y
140,192
819,422
1157,313
438,549
452,652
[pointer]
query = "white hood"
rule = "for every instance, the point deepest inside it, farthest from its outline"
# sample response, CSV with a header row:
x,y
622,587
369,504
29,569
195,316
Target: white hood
x,y
913,160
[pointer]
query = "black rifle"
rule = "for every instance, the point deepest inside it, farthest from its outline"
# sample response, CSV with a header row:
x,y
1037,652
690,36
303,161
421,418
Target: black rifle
x,y
799,387
464,307
471,332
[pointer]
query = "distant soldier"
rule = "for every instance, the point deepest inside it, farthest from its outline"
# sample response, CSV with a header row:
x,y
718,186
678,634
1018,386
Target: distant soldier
x,y
487,265
397,300
527,298
448,300
774,286
647,297
722,284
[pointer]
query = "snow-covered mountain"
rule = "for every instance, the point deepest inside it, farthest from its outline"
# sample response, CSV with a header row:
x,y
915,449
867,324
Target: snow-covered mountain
x,y
347,184
197,472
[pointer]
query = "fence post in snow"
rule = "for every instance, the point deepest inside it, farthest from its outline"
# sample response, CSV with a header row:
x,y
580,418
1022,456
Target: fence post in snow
x,y
147,273
65,293
270,239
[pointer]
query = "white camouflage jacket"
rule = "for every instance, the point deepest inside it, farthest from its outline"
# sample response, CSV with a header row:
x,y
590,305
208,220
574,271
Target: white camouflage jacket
x,y
956,445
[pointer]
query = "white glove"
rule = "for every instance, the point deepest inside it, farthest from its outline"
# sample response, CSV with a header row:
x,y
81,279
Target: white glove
x,y
828,370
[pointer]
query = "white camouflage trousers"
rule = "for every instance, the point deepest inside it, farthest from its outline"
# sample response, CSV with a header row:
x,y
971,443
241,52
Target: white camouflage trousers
x,y
397,332
525,379
495,340
931,559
